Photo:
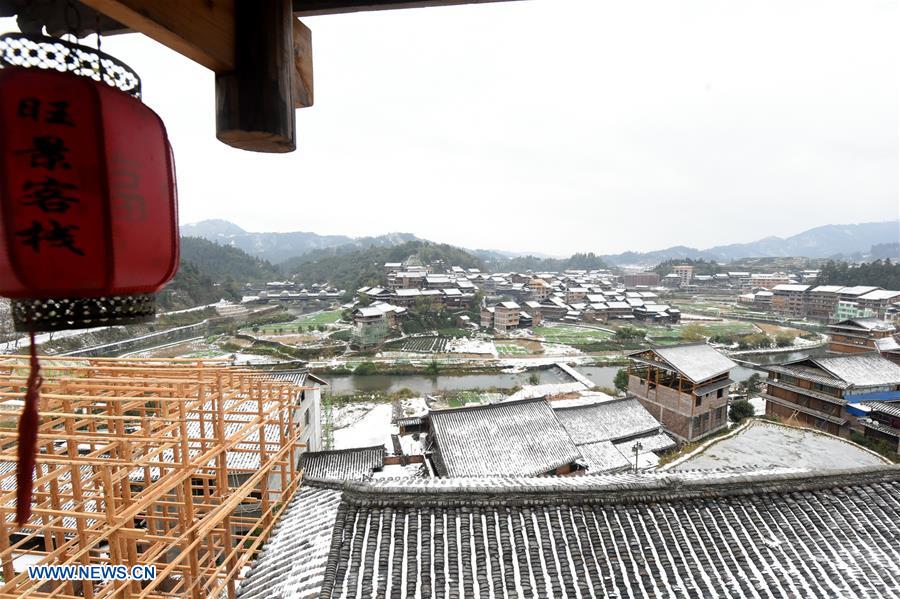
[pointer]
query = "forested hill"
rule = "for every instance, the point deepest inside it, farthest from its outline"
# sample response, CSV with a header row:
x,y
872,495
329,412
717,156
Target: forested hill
x,y
587,261
880,273
365,267
224,261
209,272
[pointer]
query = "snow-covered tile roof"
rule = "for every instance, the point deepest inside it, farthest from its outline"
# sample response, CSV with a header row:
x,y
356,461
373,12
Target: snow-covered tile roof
x,y
603,456
607,421
522,438
369,311
408,292
880,294
885,407
887,344
768,533
655,443
357,463
861,370
866,324
858,290
292,562
697,361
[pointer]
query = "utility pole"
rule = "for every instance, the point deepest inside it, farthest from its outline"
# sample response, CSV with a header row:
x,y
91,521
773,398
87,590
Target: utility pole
x,y
636,448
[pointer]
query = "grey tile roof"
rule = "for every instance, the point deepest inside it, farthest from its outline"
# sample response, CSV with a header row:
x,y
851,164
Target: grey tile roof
x,y
522,438
697,361
603,456
342,464
861,370
607,420
776,533
887,344
242,456
885,407
92,493
297,377
657,442
816,375
292,562
863,324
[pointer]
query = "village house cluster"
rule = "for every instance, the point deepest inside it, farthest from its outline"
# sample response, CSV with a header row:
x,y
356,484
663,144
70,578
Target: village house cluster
x,y
504,301
834,302
790,295
541,496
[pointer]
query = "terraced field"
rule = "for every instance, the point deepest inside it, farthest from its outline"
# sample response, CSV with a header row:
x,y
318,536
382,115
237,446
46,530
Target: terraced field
x,y
424,345
679,333
567,334
317,318
511,349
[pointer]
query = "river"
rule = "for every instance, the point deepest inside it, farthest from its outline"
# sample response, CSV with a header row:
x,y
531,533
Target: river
x,y
603,376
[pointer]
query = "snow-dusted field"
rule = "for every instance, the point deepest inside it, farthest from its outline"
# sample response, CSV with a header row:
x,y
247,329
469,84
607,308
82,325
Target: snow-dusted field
x,y
471,345
763,444
373,428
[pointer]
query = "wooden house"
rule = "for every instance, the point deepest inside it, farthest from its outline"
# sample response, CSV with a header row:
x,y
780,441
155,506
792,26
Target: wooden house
x,y
685,387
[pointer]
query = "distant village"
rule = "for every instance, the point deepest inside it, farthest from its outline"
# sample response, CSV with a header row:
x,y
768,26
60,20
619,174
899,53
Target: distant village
x,y
864,317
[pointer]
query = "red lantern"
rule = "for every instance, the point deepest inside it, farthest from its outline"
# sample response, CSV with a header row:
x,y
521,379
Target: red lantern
x,y
88,221
87,197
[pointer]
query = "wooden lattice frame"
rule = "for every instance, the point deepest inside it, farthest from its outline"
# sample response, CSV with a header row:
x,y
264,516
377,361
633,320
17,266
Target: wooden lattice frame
x,y
181,464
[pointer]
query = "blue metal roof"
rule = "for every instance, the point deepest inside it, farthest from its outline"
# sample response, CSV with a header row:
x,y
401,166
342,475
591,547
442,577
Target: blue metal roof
x,y
877,396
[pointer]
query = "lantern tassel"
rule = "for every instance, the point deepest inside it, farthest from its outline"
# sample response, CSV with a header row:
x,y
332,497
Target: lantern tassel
x,y
28,432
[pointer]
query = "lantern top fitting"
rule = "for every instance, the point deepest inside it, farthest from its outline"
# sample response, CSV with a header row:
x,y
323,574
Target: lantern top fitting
x,y
53,54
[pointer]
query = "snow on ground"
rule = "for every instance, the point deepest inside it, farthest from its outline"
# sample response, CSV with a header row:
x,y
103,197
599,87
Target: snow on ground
x,y
532,391
558,349
762,444
585,398
374,428
413,446
759,405
413,407
698,317
397,471
471,345
347,414
241,358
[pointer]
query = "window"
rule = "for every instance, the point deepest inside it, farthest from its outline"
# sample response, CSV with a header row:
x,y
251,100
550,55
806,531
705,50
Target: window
x,y
698,401
306,418
720,392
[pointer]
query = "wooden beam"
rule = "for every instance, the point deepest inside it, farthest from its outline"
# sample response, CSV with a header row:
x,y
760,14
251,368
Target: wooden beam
x,y
329,7
202,30
303,66
255,101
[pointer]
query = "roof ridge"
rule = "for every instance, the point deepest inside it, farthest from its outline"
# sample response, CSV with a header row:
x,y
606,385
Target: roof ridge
x,y
346,450
594,404
487,405
630,489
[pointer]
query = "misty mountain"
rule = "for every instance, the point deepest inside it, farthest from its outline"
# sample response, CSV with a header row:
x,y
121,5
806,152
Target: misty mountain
x,y
278,247
827,241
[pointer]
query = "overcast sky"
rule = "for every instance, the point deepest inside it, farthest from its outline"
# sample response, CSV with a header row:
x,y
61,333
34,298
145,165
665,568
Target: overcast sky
x,y
559,126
